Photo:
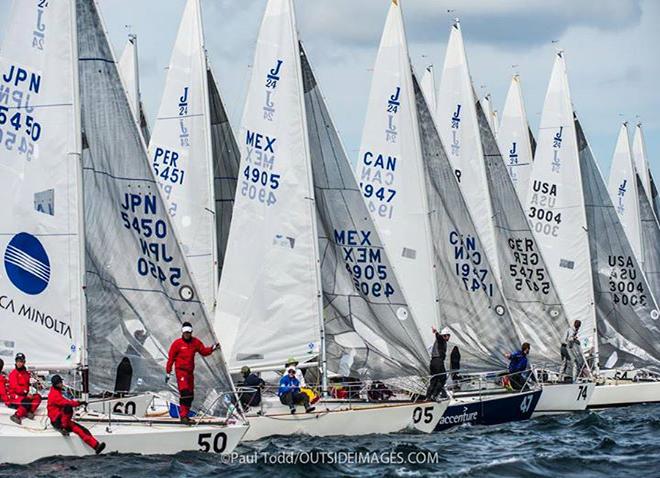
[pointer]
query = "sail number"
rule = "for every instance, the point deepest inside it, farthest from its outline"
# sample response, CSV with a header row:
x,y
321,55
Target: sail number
x,y
525,269
582,392
12,125
209,442
426,414
623,284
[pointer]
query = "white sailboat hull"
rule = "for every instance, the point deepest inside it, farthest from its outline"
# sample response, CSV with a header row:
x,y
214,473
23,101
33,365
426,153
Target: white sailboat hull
x,y
136,405
36,439
564,398
618,393
341,418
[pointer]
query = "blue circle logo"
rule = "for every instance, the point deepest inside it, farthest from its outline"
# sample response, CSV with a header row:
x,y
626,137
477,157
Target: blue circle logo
x,y
27,264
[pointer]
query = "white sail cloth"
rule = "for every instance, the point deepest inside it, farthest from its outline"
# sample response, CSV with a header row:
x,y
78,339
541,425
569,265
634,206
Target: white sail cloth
x,y
41,237
129,72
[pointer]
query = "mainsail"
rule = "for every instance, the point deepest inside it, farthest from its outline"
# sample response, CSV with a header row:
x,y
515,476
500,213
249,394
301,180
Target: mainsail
x,y
428,87
368,328
555,205
269,301
515,139
622,186
627,314
471,303
642,165
457,123
41,235
130,73
390,173
139,289
182,157
491,113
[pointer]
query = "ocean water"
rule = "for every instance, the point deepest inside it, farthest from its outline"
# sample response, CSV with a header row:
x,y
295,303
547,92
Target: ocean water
x,y
617,442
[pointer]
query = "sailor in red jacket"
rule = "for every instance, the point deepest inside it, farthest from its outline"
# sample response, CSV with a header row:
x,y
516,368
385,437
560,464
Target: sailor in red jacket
x,y
60,412
3,383
182,356
18,393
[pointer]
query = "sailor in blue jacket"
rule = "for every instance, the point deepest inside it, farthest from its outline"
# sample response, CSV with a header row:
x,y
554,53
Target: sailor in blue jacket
x,y
518,365
290,394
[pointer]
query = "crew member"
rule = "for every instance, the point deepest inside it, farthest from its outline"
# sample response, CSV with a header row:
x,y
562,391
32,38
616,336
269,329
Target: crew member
x,y
437,366
518,365
570,348
292,362
60,413
290,394
19,396
182,356
252,397
3,383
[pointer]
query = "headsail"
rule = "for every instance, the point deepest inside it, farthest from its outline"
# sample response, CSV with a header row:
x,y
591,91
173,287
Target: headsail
x,y
627,314
368,328
555,205
389,172
269,298
650,240
642,165
515,139
182,156
41,236
470,299
457,123
491,113
130,73
137,278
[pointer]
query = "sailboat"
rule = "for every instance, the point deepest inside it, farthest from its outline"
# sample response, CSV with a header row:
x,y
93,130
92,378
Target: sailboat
x,y
305,273
129,72
635,211
529,291
595,268
195,157
89,253
515,139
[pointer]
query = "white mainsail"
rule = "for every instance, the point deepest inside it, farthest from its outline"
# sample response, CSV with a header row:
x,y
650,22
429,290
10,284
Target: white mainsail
x,y
390,174
642,165
182,156
129,71
429,87
515,140
269,297
456,119
555,205
41,235
491,113
623,190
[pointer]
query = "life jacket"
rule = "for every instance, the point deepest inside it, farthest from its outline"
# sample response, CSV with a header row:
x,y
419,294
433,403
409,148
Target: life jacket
x,y
19,384
58,403
182,354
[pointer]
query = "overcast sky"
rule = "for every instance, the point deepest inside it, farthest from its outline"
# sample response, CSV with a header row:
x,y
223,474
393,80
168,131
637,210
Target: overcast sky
x,y
611,49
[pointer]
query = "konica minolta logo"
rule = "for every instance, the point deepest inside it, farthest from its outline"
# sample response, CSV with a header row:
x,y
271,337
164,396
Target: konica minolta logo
x,y
27,264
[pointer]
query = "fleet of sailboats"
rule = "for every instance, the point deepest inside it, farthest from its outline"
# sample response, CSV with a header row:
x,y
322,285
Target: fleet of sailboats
x,y
275,245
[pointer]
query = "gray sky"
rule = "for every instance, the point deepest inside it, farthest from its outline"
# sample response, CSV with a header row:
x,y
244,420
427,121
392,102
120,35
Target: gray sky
x,y
611,49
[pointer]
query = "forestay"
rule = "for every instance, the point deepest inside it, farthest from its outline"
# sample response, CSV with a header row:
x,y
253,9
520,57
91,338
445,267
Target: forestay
x,y
390,174
137,279
622,186
526,283
41,280
627,314
182,157
555,205
456,119
470,299
515,141
130,74
369,330
269,298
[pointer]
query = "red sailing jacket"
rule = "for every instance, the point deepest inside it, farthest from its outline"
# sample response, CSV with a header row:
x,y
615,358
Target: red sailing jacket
x,y
19,384
57,402
182,354
3,388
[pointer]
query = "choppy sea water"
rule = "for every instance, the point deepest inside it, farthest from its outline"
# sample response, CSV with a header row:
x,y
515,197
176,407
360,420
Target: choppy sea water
x,y
617,442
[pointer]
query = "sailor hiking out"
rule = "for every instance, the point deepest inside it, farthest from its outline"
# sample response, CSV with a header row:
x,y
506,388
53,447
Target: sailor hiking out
x,y
437,366
518,367
3,383
182,357
18,393
60,413
290,394
254,384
